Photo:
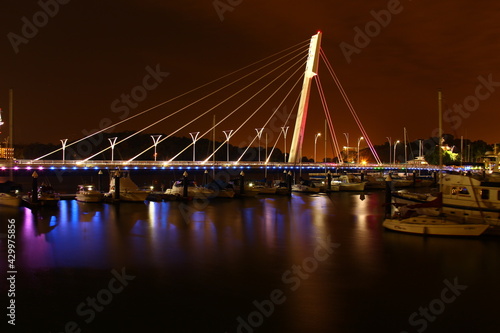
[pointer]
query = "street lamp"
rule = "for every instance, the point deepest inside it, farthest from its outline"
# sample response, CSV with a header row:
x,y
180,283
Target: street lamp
x,y
394,155
194,136
112,141
359,140
316,140
259,134
347,146
390,144
284,130
63,141
155,138
228,136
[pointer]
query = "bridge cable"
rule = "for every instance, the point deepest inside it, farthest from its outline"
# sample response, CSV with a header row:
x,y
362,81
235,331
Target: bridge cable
x,y
217,105
350,106
185,107
301,44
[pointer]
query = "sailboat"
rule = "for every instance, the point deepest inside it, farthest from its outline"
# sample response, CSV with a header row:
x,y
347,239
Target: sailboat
x,y
426,215
129,191
407,220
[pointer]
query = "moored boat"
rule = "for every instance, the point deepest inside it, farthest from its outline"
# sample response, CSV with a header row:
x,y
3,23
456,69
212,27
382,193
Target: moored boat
x,y
9,200
47,196
88,193
429,225
193,190
305,186
466,198
129,191
349,182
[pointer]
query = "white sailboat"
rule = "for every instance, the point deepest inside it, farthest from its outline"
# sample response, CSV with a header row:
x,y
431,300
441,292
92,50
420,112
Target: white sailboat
x,y
439,226
129,191
193,190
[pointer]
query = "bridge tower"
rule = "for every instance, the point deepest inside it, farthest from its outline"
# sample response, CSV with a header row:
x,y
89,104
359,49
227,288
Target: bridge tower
x,y
300,122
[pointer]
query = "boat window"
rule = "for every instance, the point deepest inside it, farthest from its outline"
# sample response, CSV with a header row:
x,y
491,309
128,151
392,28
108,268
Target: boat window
x,y
454,191
463,190
485,194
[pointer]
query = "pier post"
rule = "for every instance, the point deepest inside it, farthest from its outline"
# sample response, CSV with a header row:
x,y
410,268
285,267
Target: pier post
x,y
34,188
185,184
242,183
289,182
388,196
99,181
205,177
117,177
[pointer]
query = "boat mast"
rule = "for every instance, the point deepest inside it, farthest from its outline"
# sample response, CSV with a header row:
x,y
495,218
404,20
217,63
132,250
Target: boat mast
x,y
440,134
11,131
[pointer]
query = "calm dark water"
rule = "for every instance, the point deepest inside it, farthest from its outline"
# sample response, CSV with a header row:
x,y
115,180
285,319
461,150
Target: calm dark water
x,y
305,263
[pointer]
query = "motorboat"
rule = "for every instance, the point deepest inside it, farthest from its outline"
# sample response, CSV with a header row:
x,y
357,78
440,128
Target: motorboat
x,y
305,186
262,188
401,182
431,225
193,190
375,182
469,198
281,187
129,191
47,196
7,199
350,182
221,189
88,193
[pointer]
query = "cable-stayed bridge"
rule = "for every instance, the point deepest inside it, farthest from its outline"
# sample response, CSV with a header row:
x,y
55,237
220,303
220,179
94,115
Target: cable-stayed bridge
x,y
236,104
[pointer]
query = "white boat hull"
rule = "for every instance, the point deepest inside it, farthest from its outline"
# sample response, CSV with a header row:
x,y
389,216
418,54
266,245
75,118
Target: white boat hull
x,y
426,225
352,186
9,200
90,197
304,189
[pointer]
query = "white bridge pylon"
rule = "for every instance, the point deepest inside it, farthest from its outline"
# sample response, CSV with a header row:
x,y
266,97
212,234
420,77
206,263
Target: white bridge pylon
x,y
300,123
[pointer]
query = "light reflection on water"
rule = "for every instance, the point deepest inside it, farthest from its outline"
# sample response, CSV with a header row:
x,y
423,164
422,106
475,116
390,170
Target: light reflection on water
x,y
96,235
246,246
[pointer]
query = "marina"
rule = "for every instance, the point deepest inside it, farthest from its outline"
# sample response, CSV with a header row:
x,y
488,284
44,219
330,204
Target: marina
x,y
167,199
202,257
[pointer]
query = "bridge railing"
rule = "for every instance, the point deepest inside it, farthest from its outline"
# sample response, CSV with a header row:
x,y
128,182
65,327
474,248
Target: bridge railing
x,y
76,164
